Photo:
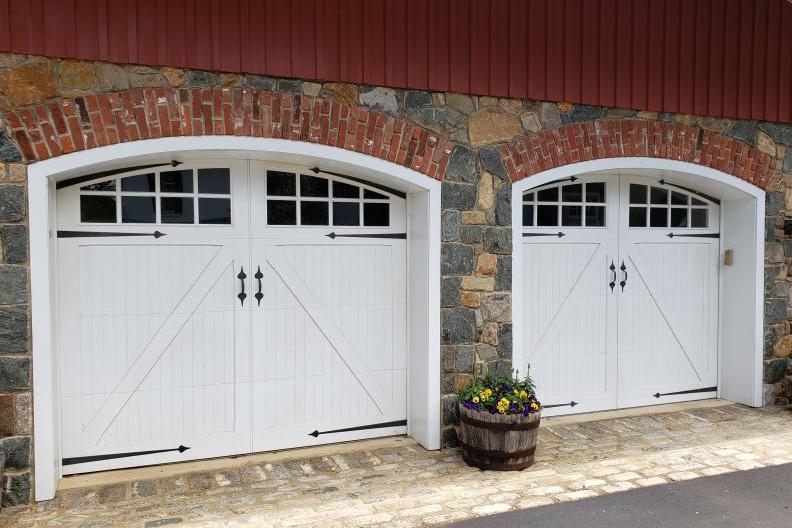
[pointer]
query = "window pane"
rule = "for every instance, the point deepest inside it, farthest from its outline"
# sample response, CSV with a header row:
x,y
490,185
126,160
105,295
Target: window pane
x,y
658,217
527,215
595,192
313,187
281,212
344,190
571,215
176,181
547,215
659,196
98,209
528,197
214,210
637,194
678,198
637,216
214,181
108,185
548,195
595,216
346,213
696,201
572,193
176,210
376,214
373,195
679,217
281,184
698,218
139,183
137,209
314,213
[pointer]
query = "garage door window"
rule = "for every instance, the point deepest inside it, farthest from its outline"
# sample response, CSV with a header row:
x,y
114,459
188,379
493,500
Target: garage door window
x,y
295,199
660,207
572,205
186,196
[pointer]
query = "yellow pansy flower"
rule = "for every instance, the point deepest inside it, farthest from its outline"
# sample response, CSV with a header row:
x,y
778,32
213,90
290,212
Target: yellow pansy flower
x,y
523,394
503,405
475,399
535,406
487,392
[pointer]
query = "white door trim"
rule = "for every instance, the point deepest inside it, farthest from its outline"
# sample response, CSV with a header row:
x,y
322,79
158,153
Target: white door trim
x,y
423,268
751,318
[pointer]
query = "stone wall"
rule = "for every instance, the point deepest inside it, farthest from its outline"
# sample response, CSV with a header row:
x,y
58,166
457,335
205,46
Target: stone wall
x,y
482,144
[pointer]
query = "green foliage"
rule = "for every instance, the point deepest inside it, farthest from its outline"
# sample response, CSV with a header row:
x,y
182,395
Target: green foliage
x,y
507,394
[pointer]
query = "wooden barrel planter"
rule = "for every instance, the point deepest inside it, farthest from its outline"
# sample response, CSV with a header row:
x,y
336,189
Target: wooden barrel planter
x,y
501,442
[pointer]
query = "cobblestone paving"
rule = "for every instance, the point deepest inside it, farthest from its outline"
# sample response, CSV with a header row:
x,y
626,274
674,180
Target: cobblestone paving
x,y
407,486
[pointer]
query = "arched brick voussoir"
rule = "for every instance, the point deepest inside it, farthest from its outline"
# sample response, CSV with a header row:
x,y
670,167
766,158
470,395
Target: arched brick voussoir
x,y
72,124
600,139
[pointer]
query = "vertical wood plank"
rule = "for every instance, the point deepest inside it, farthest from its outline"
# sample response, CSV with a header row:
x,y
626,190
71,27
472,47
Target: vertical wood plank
x,y
56,25
687,56
555,50
479,46
417,43
499,48
773,61
624,53
439,44
731,63
640,55
702,57
304,38
759,60
518,48
351,41
745,69
327,35
591,52
654,95
374,42
5,26
278,32
573,52
785,66
173,33
716,61
607,71
146,30
537,50
459,54
671,56
396,43
199,53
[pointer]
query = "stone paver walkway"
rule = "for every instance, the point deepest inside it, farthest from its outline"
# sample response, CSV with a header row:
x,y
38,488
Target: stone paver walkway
x,y
406,486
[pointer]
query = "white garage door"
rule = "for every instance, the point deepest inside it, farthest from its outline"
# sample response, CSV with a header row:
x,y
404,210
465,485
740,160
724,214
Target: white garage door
x,y
221,307
620,292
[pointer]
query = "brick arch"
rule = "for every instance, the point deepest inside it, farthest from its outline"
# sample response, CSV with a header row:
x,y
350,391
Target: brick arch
x,y
616,138
72,124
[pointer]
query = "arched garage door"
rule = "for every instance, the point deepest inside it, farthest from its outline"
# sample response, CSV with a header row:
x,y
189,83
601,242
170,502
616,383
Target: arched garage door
x,y
620,292
227,307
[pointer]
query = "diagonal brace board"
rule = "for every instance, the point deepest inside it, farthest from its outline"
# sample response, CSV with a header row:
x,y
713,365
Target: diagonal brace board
x,y
157,345
335,337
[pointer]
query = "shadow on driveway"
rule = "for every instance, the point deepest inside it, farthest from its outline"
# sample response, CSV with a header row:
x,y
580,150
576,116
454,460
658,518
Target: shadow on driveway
x,y
756,498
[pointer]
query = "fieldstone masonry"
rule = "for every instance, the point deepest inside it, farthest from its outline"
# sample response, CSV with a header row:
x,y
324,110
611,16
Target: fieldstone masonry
x,y
476,145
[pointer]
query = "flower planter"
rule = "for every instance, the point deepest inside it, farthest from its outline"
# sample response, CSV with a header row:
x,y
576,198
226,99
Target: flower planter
x,y
501,442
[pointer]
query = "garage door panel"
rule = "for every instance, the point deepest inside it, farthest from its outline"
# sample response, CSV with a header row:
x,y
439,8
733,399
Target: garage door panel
x,y
332,343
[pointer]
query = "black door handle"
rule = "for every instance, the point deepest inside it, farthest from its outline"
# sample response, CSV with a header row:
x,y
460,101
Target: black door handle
x,y
258,294
623,282
242,276
612,268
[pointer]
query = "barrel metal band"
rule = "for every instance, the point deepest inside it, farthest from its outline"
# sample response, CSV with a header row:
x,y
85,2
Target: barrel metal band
x,y
499,426
496,453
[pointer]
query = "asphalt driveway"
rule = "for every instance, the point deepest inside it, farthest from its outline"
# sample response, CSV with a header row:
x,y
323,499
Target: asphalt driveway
x,y
756,498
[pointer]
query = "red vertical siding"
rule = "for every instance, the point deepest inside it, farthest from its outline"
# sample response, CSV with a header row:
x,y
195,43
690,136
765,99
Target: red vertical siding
x,y
730,58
